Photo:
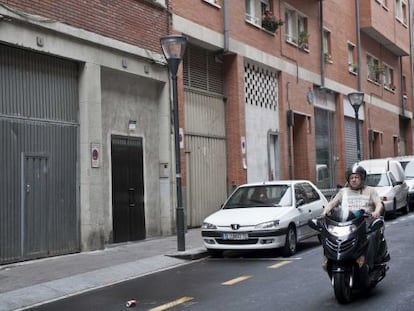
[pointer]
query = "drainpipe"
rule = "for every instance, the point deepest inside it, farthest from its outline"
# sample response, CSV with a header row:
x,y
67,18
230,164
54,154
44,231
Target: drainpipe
x,y
226,27
358,35
322,51
411,68
290,117
400,86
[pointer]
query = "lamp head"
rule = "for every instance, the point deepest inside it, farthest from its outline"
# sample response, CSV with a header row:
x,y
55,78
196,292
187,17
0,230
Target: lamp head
x,y
173,47
356,99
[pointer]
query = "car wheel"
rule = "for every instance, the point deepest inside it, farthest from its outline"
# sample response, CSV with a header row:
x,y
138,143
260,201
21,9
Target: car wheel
x,y
291,242
320,239
215,253
405,209
393,213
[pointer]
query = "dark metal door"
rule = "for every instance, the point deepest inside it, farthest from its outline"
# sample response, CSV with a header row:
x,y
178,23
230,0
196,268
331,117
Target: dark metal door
x,y
128,212
35,204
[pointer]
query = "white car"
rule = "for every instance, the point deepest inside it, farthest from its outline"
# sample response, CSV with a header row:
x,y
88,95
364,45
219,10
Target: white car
x,y
265,215
407,163
387,176
393,194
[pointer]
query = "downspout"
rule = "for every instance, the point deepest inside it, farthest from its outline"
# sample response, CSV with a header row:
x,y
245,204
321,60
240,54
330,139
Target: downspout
x,y
226,27
290,117
411,69
322,51
400,87
358,36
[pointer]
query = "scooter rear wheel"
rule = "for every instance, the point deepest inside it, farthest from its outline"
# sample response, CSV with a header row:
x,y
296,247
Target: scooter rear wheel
x,y
342,287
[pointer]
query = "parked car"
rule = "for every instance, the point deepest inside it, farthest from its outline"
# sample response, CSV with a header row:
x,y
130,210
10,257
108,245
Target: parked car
x,y
387,177
407,163
265,215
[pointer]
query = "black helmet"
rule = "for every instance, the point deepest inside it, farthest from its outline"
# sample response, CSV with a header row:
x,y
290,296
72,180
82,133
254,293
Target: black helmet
x,y
356,169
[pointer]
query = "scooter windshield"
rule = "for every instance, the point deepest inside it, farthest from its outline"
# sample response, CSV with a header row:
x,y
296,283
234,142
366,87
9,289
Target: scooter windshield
x,y
342,213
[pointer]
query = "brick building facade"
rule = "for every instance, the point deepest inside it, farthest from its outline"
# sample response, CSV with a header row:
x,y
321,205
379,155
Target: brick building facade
x,y
314,59
256,103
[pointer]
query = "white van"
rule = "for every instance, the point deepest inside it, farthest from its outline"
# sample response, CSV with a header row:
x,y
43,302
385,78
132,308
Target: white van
x,y
387,177
386,164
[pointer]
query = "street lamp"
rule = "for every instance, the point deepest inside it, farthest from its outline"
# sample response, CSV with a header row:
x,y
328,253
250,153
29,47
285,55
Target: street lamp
x,y
173,48
356,99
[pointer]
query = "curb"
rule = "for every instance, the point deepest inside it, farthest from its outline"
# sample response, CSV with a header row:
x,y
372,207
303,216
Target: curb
x,y
192,254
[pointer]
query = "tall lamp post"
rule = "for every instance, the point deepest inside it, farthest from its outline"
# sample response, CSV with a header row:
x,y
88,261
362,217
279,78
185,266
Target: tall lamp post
x,y
173,48
356,99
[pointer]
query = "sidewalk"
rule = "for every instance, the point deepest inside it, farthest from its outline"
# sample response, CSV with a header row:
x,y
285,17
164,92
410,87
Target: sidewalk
x,y
30,283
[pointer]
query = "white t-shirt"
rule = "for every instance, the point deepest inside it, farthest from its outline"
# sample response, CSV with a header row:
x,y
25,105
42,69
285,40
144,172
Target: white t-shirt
x,y
365,199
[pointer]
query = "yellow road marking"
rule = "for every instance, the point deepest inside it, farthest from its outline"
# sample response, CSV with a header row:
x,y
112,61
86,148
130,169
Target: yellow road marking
x,y
237,280
172,304
279,264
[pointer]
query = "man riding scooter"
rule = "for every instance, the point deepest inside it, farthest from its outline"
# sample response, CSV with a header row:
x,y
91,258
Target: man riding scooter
x,y
356,197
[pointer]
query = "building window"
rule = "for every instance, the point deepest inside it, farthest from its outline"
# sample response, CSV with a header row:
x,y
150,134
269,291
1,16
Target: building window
x,y
401,11
374,69
327,52
352,63
216,3
389,78
384,3
255,10
404,86
296,27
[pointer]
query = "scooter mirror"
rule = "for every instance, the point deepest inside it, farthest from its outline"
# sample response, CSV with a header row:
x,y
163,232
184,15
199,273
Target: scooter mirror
x,y
313,223
376,225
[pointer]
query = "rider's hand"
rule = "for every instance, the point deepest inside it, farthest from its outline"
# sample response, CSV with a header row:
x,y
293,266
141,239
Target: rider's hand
x,y
375,214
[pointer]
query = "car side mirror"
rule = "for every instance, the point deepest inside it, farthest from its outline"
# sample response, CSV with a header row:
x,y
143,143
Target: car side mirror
x,y
300,202
314,224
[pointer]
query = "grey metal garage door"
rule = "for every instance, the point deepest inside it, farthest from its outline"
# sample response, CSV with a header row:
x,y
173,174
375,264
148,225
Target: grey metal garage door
x,y
38,155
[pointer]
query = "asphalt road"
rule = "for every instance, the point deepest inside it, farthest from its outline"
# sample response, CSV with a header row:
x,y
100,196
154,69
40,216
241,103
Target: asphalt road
x,y
259,281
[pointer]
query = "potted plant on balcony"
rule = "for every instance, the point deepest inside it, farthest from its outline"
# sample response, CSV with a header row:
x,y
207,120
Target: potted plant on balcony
x,y
270,22
327,57
353,67
377,69
303,40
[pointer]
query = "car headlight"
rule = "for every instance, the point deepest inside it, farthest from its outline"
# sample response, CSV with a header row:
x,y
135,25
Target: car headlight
x,y
207,225
268,225
341,231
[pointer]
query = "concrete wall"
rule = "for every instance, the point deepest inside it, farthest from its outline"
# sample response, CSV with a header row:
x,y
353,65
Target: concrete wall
x,y
113,76
128,97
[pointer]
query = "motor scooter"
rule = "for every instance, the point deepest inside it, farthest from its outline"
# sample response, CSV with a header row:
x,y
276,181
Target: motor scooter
x,y
350,263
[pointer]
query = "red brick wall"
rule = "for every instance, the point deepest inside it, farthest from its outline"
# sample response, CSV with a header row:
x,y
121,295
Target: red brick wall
x,y
292,91
136,22
235,119
200,12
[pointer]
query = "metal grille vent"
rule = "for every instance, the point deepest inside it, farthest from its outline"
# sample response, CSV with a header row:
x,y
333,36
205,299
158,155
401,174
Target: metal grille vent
x,y
261,87
202,70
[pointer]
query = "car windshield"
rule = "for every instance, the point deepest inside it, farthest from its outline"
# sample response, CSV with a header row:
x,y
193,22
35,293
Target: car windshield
x,y
377,180
409,170
259,196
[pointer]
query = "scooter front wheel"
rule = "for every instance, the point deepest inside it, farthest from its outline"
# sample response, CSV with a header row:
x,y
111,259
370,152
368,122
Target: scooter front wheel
x,y
342,287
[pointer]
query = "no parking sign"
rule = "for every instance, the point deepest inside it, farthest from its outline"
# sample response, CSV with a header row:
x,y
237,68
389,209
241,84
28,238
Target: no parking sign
x,y
95,154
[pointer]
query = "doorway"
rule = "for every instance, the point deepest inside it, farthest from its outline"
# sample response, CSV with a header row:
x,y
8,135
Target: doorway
x,y
128,213
35,242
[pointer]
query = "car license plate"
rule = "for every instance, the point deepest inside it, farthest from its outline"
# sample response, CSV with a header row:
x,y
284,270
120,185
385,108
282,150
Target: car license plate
x,y
235,236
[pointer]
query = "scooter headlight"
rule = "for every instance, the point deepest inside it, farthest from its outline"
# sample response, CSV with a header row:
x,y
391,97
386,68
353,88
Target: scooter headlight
x,y
341,231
